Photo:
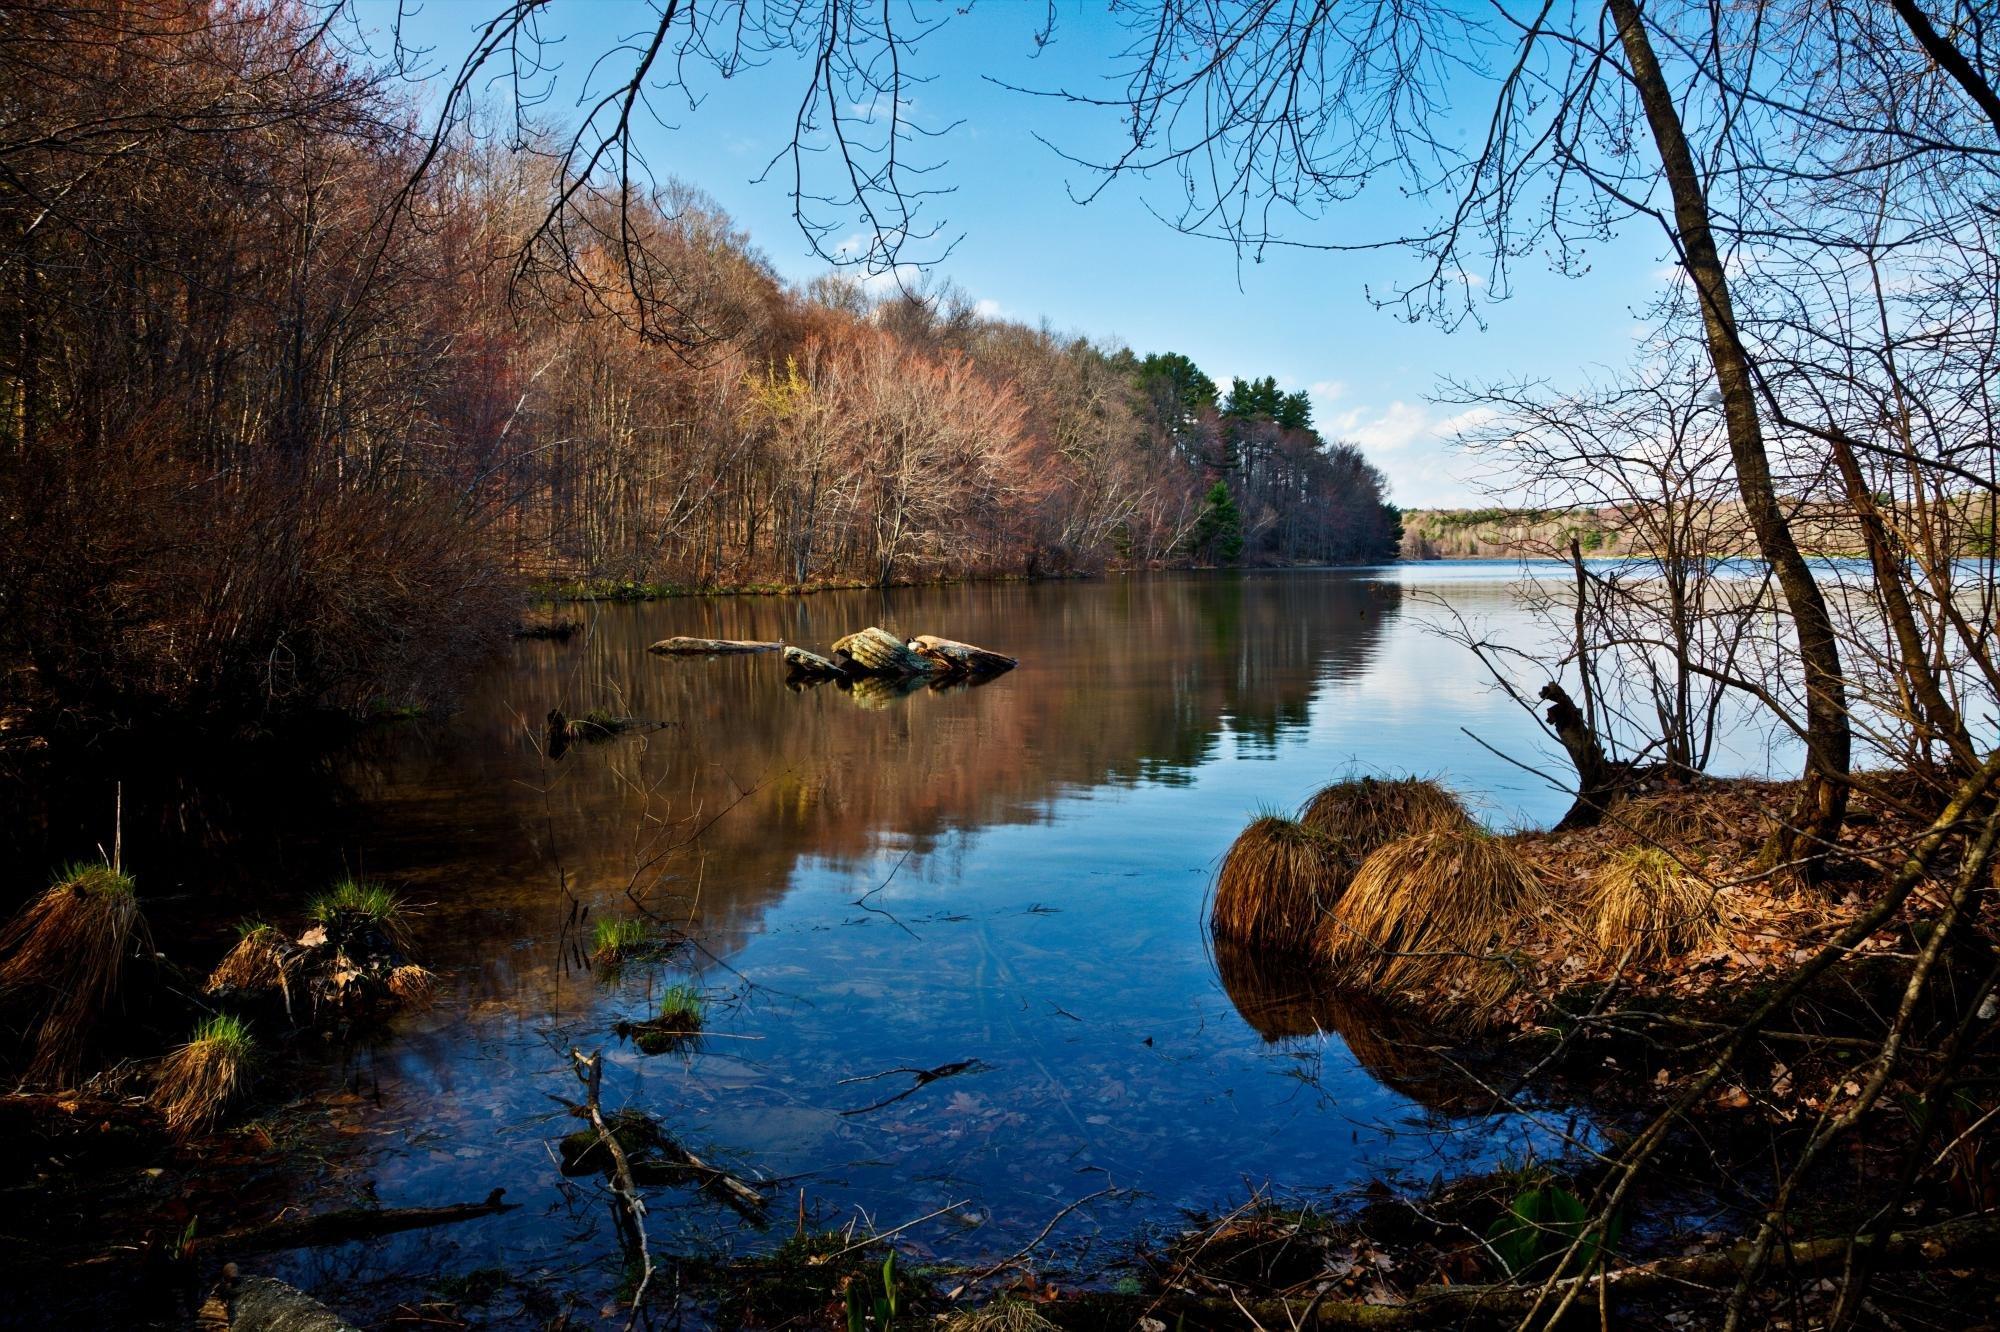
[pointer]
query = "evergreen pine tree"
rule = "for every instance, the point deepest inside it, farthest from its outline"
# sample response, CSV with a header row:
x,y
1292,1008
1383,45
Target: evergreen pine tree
x,y
1218,533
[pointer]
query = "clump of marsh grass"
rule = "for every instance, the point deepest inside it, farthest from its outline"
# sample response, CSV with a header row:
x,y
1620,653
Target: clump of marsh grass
x,y
355,957
198,1081
261,960
615,938
676,1022
1423,913
1646,904
1369,812
65,956
361,913
1278,880
682,1008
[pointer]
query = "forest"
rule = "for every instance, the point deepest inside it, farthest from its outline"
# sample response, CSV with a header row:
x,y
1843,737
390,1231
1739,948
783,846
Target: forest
x,y
300,403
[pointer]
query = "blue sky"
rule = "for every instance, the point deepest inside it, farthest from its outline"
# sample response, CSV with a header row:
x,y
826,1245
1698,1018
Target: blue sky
x,y
1111,269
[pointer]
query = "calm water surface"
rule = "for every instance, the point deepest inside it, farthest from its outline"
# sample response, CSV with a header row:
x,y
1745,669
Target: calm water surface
x,y
1013,874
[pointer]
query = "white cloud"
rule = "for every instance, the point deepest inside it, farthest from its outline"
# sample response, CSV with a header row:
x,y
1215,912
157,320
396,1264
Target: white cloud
x,y
987,308
1415,448
1396,426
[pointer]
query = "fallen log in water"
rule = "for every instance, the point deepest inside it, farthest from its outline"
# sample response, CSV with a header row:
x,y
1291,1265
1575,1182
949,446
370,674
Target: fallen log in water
x,y
710,647
950,655
811,666
876,651
346,1225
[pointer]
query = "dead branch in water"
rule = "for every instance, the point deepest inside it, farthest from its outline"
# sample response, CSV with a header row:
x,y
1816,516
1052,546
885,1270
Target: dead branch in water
x,y
924,1077
654,1157
347,1225
1028,1248
590,1072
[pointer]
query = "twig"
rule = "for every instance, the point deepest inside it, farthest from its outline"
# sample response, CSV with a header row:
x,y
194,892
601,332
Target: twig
x,y
924,1078
1032,1244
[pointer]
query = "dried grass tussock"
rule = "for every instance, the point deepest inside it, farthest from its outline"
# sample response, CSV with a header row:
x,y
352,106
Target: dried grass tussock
x,y
1278,881
1644,904
1369,812
261,960
65,955
1684,822
1426,913
199,1080
413,986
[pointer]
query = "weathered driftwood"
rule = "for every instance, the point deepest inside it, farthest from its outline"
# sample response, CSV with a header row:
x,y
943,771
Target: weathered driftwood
x,y
810,665
876,651
963,658
710,647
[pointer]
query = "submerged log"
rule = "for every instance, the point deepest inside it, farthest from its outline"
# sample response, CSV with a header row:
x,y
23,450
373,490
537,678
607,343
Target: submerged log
x,y
348,1224
878,652
710,647
811,666
950,655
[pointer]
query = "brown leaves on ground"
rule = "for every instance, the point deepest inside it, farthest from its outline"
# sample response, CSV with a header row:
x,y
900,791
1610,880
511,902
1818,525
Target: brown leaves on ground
x,y
1760,922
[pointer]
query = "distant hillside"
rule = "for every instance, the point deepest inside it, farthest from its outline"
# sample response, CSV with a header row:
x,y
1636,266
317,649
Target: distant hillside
x,y
1473,534
1822,528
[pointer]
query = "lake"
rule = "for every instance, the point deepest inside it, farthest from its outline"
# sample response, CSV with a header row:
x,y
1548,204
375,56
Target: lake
x,y
1011,877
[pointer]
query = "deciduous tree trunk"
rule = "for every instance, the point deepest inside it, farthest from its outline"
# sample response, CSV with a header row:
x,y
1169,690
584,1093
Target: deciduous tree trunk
x,y
1822,807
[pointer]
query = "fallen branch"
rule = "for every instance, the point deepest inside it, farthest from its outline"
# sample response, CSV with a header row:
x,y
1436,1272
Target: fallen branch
x,y
590,1072
651,1156
347,1225
924,1077
1028,1248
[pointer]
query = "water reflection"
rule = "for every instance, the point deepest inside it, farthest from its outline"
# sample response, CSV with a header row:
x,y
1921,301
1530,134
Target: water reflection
x,y
1283,1000
1121,683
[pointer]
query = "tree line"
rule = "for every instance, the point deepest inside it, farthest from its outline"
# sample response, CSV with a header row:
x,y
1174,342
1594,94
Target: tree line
x,y
299,394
